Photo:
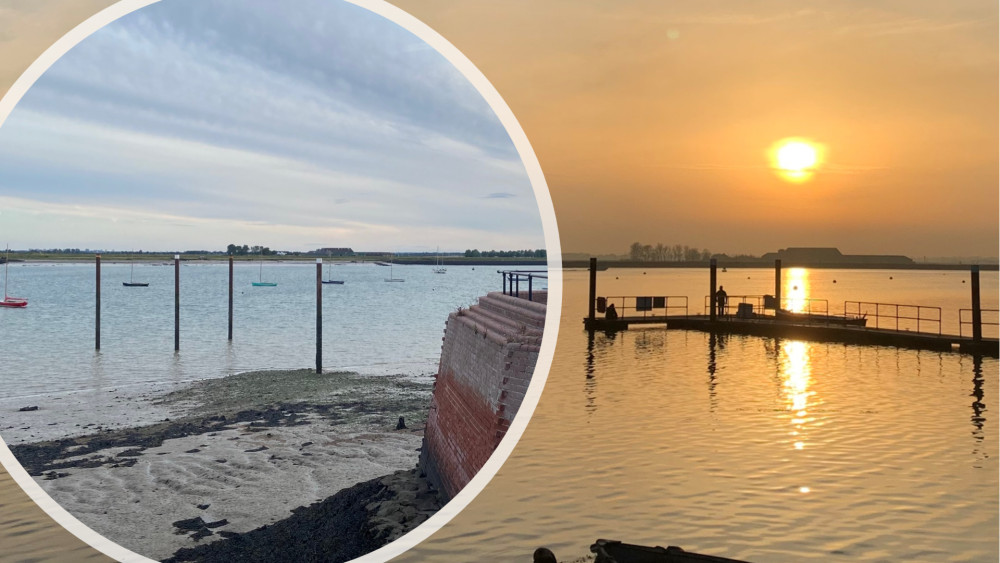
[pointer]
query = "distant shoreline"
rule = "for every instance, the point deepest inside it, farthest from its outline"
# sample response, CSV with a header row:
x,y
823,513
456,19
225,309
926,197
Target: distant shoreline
x,y
117,258
608,264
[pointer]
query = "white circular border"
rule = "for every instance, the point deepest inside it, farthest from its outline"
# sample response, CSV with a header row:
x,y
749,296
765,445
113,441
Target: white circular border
x,y
553,253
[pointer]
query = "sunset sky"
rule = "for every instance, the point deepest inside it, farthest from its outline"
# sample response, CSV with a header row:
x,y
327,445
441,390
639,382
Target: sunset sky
x,y
652,120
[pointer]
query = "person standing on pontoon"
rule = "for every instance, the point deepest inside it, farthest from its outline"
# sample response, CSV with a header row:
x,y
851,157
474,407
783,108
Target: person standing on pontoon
x,y
720,300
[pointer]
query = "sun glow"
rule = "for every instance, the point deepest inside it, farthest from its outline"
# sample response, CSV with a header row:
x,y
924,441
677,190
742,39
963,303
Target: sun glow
x,y
796,160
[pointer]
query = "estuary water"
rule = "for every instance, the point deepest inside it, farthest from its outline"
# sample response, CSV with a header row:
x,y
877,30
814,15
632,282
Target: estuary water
x,y
369,326
762,449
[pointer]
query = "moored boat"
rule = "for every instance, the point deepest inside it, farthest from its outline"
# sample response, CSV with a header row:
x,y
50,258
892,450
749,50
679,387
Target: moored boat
x,y
8,301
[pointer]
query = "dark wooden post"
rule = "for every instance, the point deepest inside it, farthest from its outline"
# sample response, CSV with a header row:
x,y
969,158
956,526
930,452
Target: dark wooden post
x,y
97,307
319,315
593,290
177,302
977,311
712,264
230,297
777,284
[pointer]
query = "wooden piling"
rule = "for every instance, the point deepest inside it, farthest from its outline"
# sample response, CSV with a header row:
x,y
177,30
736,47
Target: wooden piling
x,y
97,307
177,302
977,311
777,284
319,315
712,265
593,290
230,297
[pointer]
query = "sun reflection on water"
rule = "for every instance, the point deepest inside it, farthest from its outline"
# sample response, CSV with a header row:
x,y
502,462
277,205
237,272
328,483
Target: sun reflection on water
x,y
796,290
797,375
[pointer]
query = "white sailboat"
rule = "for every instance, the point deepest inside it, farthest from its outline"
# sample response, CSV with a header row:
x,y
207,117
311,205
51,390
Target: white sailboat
x,y
438,268
260,276
329,278
131,278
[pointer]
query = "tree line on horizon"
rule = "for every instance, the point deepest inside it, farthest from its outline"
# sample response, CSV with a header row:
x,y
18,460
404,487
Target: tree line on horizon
x,y
245,250
660,252
476,253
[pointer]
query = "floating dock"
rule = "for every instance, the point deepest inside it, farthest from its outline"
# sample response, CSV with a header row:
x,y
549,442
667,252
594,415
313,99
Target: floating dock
x,y
754,321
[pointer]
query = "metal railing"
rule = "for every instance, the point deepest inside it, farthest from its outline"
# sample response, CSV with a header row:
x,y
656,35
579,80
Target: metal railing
x,y
811,306
994,313
512,281
889,315
647,305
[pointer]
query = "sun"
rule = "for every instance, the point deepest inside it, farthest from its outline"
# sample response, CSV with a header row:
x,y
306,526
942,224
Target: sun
x,y
795,159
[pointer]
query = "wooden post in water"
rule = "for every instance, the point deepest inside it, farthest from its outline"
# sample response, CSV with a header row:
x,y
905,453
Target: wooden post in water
x,y
593,290
712,264
319,315
777,284
177,302
977,311
97,307
230,297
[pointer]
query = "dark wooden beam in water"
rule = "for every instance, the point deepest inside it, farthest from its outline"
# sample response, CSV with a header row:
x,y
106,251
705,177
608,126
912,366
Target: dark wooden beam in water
x,y
711,291
593,289
777,283
319,315
977,310
97,306
177,302
230,297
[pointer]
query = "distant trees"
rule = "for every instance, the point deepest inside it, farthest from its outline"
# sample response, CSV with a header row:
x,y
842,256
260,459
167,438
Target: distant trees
x,y
639,252
245,250
476,253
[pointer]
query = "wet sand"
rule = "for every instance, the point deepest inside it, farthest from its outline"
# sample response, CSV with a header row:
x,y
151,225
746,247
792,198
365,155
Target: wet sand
x,y
233,454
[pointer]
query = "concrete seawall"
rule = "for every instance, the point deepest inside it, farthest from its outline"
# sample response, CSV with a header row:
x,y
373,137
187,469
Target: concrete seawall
x,y
487,359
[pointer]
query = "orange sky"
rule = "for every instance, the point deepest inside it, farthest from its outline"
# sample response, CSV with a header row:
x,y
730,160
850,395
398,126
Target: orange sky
x,y
651,119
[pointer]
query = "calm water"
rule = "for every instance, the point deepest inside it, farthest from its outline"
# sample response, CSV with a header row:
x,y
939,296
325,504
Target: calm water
x,y
369,325
755,448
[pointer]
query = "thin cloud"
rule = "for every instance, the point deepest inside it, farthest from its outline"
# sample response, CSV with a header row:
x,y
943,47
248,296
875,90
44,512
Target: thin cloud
x,y
324,119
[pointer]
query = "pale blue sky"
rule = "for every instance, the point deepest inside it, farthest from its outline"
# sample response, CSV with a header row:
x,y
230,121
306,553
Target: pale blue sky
x,y
191,124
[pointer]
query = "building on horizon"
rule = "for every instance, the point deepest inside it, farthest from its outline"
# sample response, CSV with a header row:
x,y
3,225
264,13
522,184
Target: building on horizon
x,y
819,255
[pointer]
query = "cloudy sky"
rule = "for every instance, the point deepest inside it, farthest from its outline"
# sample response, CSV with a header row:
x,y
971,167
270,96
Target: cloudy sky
x,y
191,124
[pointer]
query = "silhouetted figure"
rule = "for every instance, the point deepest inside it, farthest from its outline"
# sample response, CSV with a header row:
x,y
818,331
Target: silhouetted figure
x,y
401,425
720,301
544,555
611,313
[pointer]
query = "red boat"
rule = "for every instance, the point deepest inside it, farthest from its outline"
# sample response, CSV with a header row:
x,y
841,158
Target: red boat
x,y
9,301
13,302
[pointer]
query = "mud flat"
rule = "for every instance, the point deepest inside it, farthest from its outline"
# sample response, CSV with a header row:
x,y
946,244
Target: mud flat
x,y
246,452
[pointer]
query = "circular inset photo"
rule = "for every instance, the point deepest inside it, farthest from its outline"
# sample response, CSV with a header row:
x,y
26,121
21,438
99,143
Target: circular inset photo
x,y
275,281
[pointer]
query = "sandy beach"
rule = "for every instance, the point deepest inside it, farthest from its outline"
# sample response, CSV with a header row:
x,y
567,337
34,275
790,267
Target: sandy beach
x,y
159,470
